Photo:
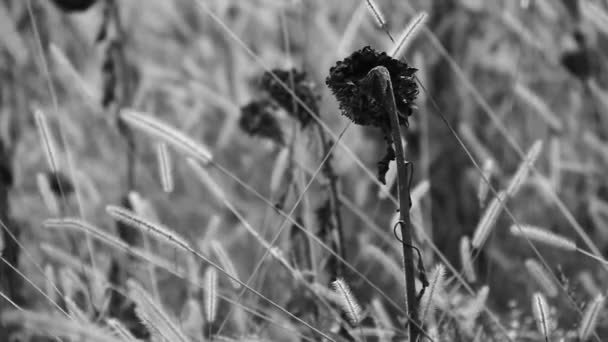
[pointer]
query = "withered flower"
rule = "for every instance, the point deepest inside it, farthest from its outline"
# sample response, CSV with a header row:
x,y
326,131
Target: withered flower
x,y
349,82
299,84
258,118
356,101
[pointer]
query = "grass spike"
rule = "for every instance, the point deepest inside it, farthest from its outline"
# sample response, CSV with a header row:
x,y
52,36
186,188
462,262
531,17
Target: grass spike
x,y
540,308
210,280
348,301
427,303
165,168
153,315
278,171
166,133
522,171
544,281
225,261
544,236
590,316
128,217
487,221
484,187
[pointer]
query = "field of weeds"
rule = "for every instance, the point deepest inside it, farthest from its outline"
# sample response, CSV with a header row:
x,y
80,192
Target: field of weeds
x,y
303,170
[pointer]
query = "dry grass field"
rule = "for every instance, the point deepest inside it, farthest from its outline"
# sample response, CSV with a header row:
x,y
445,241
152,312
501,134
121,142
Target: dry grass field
x,y
208,170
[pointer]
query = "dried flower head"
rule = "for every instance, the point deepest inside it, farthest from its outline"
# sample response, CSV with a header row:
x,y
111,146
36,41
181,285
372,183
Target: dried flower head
x,y
347,82
298,83
258,118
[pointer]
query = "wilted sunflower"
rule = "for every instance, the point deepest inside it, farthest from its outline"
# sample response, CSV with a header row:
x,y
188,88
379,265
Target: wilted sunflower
x,y
356,101
298,83
349,82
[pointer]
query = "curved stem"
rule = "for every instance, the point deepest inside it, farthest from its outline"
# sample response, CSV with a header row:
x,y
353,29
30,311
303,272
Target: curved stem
x,y
381,86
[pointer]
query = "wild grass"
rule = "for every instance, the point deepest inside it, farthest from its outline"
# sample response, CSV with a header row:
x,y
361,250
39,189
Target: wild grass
x,y
181,227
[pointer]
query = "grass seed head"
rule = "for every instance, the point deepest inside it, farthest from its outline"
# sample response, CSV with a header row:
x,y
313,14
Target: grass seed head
x,y
590,317
348,301
540,308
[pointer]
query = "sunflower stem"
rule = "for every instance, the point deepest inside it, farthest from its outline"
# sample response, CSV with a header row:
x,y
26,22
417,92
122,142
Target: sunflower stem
x,y
383,88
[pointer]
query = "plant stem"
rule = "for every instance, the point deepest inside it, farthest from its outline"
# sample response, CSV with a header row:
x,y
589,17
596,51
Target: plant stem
x,y
381,77
334,202
123,89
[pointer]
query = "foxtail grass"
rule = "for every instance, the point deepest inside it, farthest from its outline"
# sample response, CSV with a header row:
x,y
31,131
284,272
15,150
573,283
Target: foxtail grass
x,y
164,167
45,324
210,280
436,287
590,317
488,220
225,261
543,236
466,259
539,106
522,171
540,308
542,278
348,302
166,133
279,169
486,176
130,218
390,265
154,317
548,238
120,330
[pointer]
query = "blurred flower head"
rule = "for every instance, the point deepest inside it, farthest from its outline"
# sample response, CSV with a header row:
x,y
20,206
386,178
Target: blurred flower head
x,y
346,81
300,85
258,118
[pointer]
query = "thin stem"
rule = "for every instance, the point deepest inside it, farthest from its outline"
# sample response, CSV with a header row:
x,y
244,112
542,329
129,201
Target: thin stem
x,y
334,201
122,72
